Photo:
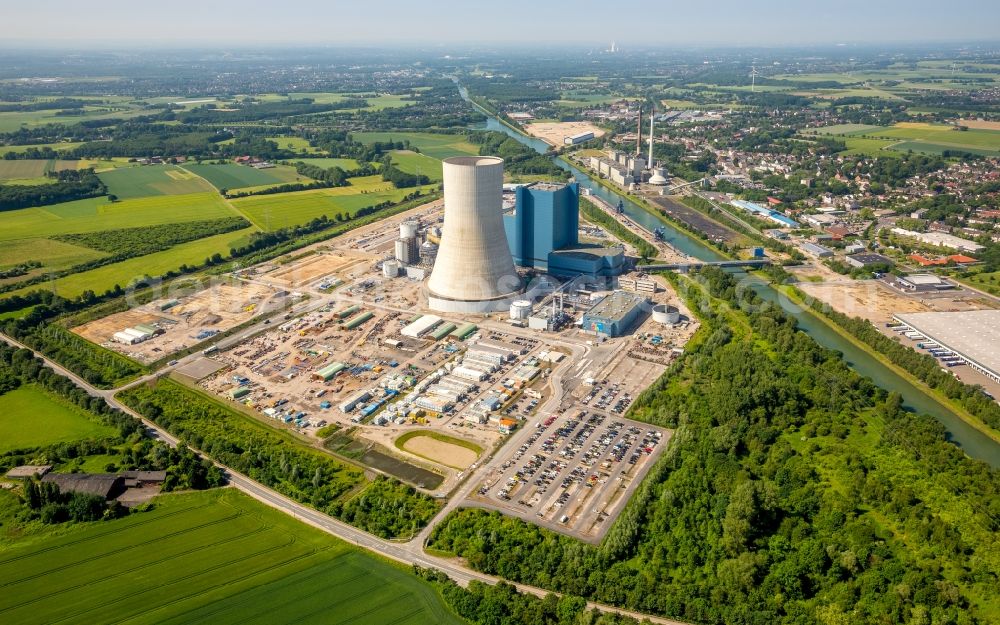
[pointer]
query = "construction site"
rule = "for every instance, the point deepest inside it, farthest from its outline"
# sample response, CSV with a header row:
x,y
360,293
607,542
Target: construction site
x,y
166,326
421,345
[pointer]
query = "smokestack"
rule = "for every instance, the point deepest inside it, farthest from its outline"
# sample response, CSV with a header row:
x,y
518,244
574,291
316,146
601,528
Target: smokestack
x,y
638,135
652,115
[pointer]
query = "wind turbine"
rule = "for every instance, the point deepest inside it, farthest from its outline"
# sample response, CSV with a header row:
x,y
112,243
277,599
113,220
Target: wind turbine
x,y
753,78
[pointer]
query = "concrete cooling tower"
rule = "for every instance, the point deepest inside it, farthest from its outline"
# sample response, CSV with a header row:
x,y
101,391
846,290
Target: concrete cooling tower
x,y
473,271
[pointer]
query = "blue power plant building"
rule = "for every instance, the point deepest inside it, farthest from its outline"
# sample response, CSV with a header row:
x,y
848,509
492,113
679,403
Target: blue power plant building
x,y
542,228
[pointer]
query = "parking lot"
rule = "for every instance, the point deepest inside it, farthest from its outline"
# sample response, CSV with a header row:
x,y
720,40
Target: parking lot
x,y
575,471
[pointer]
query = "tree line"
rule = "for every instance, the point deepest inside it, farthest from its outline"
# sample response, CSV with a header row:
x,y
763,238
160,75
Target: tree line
x,y
70,185
793,491
384,508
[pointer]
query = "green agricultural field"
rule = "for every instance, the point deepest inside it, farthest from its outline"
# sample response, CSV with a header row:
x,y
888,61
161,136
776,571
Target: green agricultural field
x,y
297,144
147,180
346,164
935,138
55,254
11,121
233,176
270,212
32,417
21,169
215,557
432,144
925,147
96,214
843,129
869,147
415,163
59,147
103,278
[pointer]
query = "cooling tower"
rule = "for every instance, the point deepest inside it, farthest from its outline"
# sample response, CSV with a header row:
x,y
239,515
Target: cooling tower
x,y
473,271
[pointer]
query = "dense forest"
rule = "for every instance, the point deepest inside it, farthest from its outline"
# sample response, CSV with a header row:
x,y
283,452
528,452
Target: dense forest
x,y
793,491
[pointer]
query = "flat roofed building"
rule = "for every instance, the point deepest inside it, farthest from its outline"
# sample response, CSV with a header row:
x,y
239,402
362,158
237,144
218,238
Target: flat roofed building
x,y
866,260
973,335
923,282
817,250
615,314
29,470
595,261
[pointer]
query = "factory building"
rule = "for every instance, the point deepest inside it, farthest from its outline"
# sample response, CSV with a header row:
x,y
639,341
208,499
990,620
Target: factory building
x,y
816,250
615,314
972,335
613,171
922,283
542,233
421,326
578,138
596,261
407,251
474,270
546,217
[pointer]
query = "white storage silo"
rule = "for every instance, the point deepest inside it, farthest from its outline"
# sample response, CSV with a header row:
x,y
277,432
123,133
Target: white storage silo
x,y
520,309
408,229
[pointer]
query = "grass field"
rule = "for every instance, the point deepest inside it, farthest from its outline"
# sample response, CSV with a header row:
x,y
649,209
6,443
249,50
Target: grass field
x,y
270,212
346,164
415,163
22,169
59,147
13,120
32,417
215,557
435,145
96,214
55,254
869,147
297,144
843,129
148,180
103,278
233,176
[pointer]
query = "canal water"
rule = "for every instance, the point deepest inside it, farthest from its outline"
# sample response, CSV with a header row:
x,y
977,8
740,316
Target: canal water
x,y
975,443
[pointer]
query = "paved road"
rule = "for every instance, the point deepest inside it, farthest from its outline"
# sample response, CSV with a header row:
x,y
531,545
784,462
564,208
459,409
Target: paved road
x,y
405,552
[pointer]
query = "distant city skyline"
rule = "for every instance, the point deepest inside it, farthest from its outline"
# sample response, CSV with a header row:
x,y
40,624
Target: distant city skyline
x,y
250,23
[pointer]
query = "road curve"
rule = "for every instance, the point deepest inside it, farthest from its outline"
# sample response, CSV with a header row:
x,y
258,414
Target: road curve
x,y
410,553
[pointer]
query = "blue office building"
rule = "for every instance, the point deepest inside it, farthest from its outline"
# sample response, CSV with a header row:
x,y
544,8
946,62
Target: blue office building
x,y
545,218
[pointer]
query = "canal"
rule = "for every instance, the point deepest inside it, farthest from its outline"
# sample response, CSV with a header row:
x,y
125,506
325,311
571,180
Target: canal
x,y
975,443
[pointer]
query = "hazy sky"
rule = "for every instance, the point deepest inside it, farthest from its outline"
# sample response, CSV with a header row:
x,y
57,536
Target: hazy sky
x,y
381,22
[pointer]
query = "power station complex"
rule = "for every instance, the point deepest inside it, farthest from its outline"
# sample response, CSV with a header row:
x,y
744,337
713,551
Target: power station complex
x,y
484,237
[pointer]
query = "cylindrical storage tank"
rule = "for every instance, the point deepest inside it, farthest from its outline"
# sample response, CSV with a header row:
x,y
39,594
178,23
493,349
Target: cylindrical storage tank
x,y
662,313
390,269
408,229
474,270
659,177
520,309
428,250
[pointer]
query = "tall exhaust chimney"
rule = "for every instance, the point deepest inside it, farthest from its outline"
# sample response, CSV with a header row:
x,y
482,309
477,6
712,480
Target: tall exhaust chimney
x,y
638,135
652,116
